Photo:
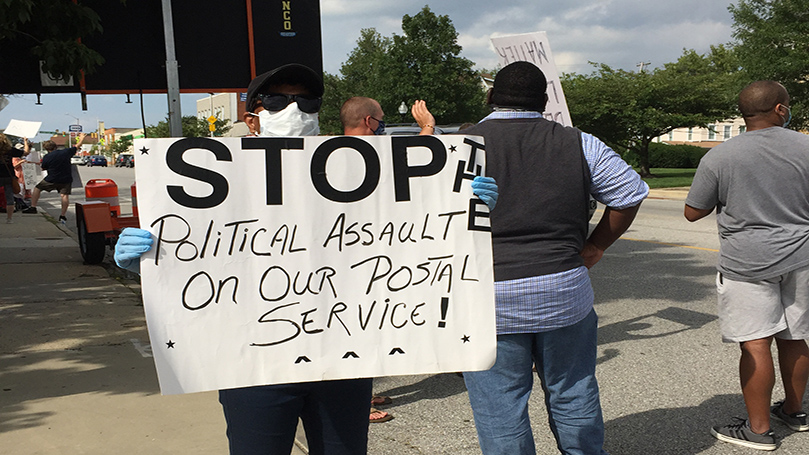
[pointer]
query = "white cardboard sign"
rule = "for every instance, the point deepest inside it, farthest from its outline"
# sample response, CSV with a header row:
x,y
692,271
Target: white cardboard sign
x,y
31,175
282,260
22,128
535,48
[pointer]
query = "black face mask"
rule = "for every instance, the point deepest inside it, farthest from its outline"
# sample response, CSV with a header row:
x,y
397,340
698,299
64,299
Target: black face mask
x,y
380,130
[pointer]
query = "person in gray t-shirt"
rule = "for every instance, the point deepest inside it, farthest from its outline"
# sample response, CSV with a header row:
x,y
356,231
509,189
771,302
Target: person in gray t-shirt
x,y
759,184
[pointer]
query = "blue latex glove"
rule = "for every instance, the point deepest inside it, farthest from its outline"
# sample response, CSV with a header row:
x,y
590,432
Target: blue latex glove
x,y
131,245
486,189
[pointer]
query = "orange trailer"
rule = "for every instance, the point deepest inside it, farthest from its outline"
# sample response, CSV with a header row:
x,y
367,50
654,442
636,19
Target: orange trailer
x,y
99,220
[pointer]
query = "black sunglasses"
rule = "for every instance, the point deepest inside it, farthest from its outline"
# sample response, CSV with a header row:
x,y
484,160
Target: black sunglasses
x,y
278,102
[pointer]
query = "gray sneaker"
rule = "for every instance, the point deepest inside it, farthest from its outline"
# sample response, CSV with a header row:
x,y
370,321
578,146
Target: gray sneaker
x,y
797,420
739,433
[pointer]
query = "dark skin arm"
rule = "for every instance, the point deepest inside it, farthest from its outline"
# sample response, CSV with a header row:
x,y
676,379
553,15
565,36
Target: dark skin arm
x,y
692,214
612,225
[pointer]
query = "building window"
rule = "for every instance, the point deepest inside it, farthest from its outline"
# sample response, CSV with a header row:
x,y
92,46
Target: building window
x,y
726,133
671,135
742,129
690,134
711,132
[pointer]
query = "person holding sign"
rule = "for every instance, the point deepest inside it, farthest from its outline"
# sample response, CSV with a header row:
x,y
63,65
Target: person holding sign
x,y
543,296
263,419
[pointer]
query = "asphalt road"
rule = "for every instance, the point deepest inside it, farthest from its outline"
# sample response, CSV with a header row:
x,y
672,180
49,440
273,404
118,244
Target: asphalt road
x,y
665,376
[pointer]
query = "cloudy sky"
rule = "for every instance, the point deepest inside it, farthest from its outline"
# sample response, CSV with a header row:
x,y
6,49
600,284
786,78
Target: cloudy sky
x,y
620,33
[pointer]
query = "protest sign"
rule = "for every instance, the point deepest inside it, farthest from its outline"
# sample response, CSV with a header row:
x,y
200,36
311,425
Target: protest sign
x,y
535,48
22,128
281,260
31,175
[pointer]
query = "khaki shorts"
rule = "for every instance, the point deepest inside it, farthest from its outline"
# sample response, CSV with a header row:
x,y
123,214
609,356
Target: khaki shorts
x,y
754,310
62,188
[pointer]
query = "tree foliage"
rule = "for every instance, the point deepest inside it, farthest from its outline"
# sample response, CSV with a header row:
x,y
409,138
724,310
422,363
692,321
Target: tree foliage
x,y
51,29
627,110
120,146
422,63
192,127
773,43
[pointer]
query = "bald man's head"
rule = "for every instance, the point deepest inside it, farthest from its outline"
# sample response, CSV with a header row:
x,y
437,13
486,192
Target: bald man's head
x,y
356,108
761,97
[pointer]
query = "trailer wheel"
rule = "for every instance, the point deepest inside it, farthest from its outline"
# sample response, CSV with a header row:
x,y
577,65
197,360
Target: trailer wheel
x,y
91,245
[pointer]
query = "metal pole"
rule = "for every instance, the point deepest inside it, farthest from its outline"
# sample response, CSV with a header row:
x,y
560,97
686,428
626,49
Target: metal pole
x,y
172,74
211,110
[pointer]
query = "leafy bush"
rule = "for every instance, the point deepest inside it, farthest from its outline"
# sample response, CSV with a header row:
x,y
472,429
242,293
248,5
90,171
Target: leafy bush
x,y
675,156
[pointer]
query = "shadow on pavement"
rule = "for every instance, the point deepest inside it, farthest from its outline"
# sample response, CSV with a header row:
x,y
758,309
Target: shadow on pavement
x,y
671,431
431,388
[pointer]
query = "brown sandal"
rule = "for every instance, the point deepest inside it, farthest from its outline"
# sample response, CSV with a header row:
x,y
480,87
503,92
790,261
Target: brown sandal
x,y
378,416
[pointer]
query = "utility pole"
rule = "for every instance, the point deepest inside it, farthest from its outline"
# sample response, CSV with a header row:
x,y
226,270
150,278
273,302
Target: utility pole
x,y
172,74
641,65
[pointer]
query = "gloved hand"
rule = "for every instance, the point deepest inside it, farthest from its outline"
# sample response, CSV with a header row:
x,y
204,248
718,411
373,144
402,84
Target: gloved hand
x,y
486,189
131,245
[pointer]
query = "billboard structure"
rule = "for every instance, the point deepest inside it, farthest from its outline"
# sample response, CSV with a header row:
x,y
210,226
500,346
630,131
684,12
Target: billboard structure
x,y
220,46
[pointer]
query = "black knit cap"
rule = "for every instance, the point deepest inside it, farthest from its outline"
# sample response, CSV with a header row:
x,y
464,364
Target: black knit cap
x,y
291,73
520,85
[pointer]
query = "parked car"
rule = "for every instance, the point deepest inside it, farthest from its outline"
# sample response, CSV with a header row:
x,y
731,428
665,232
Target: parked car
x,y
125,160
97,160
77,159
399,129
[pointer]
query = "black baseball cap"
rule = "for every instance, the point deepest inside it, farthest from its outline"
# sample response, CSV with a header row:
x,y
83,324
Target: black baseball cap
x,y
291,73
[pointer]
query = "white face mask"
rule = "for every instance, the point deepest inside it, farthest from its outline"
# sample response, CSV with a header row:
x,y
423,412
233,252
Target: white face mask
x,y
289,122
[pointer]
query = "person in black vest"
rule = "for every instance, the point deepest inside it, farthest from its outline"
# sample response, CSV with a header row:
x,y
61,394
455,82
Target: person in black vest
x,y
544,300
59,178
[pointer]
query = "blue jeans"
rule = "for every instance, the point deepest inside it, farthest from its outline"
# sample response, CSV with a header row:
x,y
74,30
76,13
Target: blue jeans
x,y
565,359
263,420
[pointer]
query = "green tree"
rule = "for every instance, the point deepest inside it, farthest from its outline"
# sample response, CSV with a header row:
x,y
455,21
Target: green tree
x,y
627,110
51,29
422,63
426,65
192,127
773,43
361,76
334,94
120,146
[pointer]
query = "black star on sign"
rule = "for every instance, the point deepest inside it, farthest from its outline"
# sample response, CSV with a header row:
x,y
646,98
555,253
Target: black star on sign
x,y
144,151
170,344
453,148
465,338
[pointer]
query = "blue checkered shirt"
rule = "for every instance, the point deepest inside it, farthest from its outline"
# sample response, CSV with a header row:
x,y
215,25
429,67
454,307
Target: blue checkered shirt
x,y
548,302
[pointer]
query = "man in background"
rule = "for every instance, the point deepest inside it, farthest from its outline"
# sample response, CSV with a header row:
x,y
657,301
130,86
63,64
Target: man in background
x,y
759,184
59,178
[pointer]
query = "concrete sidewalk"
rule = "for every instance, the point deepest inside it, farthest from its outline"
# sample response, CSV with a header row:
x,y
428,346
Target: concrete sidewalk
x,y
76,370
